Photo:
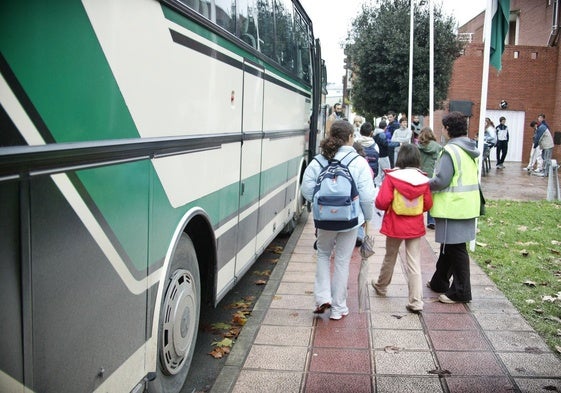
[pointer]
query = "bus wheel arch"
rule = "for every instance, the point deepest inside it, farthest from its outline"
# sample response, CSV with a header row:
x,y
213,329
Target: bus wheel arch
x,y
189,286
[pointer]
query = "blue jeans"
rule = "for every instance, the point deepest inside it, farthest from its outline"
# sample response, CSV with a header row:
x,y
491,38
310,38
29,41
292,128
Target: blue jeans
x,y
430,219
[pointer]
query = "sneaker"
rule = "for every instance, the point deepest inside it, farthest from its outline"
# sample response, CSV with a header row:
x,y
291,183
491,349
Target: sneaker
x,y
431,226
379,291
358,243
336,317
414,310
540,174
445,299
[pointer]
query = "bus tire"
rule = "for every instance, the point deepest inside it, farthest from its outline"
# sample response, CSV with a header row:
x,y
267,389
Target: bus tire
x,y
179,319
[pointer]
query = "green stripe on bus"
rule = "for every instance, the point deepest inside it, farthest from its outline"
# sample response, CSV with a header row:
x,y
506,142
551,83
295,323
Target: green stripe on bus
x,y
61,65
119,191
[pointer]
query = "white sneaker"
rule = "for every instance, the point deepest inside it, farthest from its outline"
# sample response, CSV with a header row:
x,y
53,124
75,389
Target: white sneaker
x,y
336,317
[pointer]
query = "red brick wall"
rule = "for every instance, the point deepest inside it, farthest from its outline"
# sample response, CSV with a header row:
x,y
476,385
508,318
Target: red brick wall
x,y
534,22
529,81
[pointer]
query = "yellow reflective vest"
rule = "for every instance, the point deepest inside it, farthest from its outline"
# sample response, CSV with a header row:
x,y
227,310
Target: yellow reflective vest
x,y
460,200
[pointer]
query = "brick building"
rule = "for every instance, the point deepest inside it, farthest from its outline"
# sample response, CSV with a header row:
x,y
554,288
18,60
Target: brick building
x,y
530,79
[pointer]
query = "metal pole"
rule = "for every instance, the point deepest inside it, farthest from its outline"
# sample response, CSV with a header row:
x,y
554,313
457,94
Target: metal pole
x,y
484,89
410,100
431,64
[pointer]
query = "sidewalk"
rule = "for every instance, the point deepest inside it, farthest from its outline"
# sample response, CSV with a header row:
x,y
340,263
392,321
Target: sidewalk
x,y
482,346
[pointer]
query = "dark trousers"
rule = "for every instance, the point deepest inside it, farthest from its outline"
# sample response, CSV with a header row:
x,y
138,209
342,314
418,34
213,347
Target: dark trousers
x,y
453,261
502,148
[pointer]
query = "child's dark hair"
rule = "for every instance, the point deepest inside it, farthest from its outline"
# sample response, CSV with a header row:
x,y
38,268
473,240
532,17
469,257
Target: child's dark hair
x,y
409,156
366,129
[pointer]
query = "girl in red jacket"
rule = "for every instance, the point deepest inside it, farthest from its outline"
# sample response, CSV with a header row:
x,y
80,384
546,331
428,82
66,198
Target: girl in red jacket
x,y
404,196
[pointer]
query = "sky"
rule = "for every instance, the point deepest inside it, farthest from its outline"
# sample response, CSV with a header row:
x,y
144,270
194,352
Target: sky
x,y
332,19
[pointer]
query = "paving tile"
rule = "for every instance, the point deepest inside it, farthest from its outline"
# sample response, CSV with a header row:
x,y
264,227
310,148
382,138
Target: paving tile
x,y
492,306
338,383
293,302
405,339
295,266
354,320
390,384
470,363
529,364
308,277
533,385
284,335
458,340
403,363
295,288
387,304
330,337
486,292
340,360
398,321
478,276
449,321
289,317
475,384
268,382
517,341
502,321
270,357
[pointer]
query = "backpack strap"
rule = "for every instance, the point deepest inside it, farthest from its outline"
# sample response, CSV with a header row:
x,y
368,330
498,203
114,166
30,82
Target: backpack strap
x,y
351,160
318,157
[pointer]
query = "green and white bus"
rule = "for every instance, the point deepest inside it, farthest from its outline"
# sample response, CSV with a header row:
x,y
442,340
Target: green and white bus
x,y
149,152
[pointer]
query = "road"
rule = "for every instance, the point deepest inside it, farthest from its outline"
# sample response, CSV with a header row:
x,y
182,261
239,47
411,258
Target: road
x,y
205,368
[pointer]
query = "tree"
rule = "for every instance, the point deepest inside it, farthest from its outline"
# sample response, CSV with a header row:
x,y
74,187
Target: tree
x,y
378,46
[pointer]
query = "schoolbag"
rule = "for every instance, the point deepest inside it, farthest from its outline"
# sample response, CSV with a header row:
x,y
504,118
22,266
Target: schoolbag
x,y
372,157
407,207
335,199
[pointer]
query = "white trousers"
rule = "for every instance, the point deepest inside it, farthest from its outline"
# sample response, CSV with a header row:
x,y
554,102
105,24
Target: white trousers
x,y
329,289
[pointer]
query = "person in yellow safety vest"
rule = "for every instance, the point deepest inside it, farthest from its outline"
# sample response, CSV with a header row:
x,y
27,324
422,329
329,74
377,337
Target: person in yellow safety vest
x,y
455,187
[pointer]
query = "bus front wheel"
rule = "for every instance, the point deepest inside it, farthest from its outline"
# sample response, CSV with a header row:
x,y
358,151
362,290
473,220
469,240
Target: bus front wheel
x,y
179,319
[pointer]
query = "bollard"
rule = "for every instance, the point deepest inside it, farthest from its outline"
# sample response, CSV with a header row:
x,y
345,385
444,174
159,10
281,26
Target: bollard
x,y
553,192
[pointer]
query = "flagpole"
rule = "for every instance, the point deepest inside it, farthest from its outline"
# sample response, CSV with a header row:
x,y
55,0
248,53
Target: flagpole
x,y
431,64
410,99
491,4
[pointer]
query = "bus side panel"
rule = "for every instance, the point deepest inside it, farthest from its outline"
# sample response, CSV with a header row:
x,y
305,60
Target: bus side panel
x,y
85,319
251,166
11,361
280,153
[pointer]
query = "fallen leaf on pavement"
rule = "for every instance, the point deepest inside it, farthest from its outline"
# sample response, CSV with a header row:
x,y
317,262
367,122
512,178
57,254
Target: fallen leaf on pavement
x,y
392,349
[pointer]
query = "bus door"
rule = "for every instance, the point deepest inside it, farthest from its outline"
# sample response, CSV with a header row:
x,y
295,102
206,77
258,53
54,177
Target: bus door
x,y
252,129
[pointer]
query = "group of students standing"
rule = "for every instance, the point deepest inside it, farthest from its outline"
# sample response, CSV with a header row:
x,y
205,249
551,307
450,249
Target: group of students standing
x,y
425,177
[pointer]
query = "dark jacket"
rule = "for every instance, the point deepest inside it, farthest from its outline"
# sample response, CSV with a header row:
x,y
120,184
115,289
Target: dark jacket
x,y
382,142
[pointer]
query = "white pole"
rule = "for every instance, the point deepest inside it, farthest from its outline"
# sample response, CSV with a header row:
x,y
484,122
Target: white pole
x,y
410,100
431,64
491,6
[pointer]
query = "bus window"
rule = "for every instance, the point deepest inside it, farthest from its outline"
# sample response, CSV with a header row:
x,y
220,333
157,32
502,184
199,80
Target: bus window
x,y
201,6
303,52
225,14
266,28
245,19
284,49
